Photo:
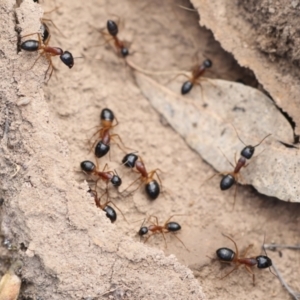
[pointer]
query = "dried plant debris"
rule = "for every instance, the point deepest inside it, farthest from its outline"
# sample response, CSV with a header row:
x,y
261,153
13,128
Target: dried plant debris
x,y
10,283
205,116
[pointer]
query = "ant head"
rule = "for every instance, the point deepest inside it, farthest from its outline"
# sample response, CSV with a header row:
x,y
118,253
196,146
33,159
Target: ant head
x,y
124,52
143,230
67,59
225,254
207,63
87,166
263,262
107,115
129,160
101,149
227,182
116,181
248,152
112,27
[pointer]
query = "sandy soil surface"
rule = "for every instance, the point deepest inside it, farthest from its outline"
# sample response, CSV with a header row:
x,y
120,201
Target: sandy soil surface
x,y
69,248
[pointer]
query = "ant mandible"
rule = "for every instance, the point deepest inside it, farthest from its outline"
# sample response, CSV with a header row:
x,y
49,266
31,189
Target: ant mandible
x,y
152,187
110,212
102,147
227,255
108,176
155,228
33,45
197,72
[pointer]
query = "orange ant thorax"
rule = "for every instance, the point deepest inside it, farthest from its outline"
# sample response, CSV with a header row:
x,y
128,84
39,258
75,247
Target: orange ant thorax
x,y
106,136
53,50
247,261
198,71
154,228
141,168
240,163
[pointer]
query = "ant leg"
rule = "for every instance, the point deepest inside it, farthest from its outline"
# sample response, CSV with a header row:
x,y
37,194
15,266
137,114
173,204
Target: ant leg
x,y
117,209
181,242
234,197
211,177
153,223
116,135
235,268
164,239
132,184
251,273
226,157
202,96
148,237
236,248
173,78
166,222
208,81
50,21
246,250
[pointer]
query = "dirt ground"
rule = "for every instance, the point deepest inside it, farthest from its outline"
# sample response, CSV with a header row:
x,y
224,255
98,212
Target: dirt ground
x,y
163,37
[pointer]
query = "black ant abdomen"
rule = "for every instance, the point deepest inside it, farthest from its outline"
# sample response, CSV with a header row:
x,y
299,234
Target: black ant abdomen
x,y
263,262
67,59
207,63
116,181
101,149
107,115
152,189
186,87
227,182
143,230
225,254
30,45
173,226
110,213
87,166
129,160
112,27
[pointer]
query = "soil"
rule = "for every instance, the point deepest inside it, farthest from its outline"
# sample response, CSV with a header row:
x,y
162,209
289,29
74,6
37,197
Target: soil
x,y
69,248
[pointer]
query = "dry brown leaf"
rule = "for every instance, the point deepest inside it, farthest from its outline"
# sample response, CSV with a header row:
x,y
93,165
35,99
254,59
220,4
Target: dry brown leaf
x,y
206,128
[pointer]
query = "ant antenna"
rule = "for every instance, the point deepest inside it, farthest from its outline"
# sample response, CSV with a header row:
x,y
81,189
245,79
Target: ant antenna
x,y
242,140
263,246
238,134
262,140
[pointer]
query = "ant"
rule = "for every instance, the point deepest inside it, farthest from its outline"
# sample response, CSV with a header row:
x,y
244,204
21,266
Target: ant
x,y
197,72
108,176
33,45
110,212
230,178
155,228
227,255
102,147
113,30
152,187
